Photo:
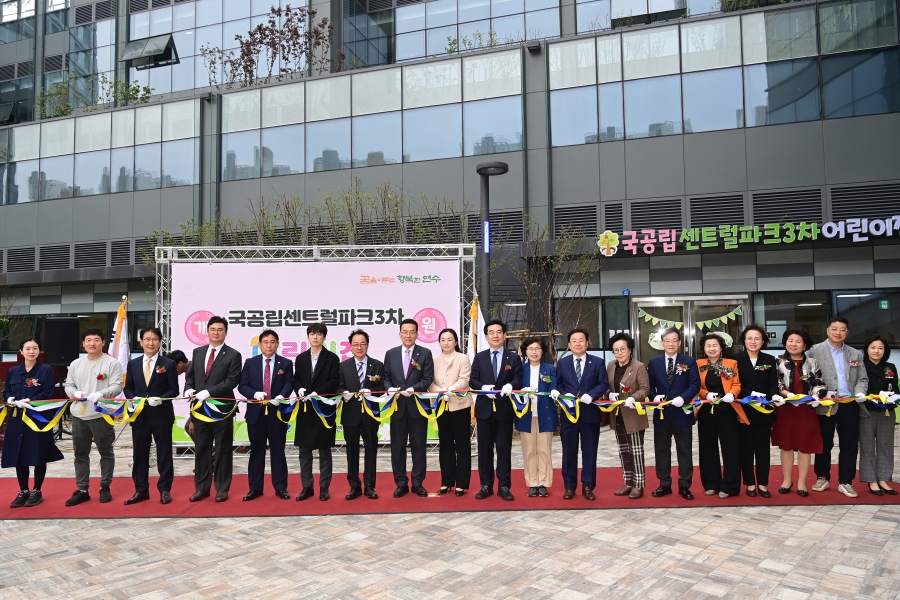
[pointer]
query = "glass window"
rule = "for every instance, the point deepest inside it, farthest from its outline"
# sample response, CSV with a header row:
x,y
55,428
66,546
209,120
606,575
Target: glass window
x,y
779,34
659,6
180,120
713,100
377,140
592,16
492,126
2,184
651,52
161,21
711,44
500,8
439,13
328,145
573,116
58,137
122,169
609,58
183,17
702,7
209,12
92,133
146,167
856,25
572,64
493,75
140,26
24,142
56,177
623,9
328,99
782,92
282,105
531,5
24,182
776,312
231,30
410,45
653,107
147,125
262,7
179,163
509,29
183,76
431,133
281,152
542,24
474,35
56,22
237,9
472,10
122,128
184,42
240,111
92,173
869,312
240,155
161,79
376,91
410,18
438,41
435,83
865,83
207,36
612,115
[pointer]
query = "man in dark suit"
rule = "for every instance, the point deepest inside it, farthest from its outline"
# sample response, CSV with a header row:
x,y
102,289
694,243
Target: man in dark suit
x,y
408,368
266,380
361,373
152,376
315,369
215,371
583,376
673,377
495,368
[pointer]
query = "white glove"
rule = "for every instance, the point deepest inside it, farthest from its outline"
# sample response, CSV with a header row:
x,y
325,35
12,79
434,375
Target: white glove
x,y
554,394
629,402
614,396
711,396
529,389
860,397
187,393
202,395
259,396
659,398
393,390
78,396
274,401
729,397
292,399
408,392
279,397
677,402
154,401
299,393
885,394
20,403
309,395
10,400
893,399
758,394
487,387
94,397
586,399
348,395
814,403
829,395
778,400
365,391
506,389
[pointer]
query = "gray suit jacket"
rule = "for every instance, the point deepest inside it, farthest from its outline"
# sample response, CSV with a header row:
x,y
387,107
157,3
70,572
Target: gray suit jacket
x,y
856,374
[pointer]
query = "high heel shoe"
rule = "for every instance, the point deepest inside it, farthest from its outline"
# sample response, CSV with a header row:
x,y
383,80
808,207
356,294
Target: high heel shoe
x,y
764,493
443,490
785,490
459,492
751,493
802,493
888,491
877,492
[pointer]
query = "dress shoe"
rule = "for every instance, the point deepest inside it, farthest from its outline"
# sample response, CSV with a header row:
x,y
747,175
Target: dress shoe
x,y
283,494
105,495
138,497
443,490
532,492
324,495
765,493
685,492
34,498
484,492
354,494
420,491
785,490
802,493
569,494
636,493
401,491
623,491
751,493
78,497
588,493
505,494
306,493
542,491
165,497
459,492
886,490
221,496
198,495
370,493
876,491
661,491
251,495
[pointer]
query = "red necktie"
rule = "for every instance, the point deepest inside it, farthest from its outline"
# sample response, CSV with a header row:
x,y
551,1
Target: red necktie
x,y
267,379
209,363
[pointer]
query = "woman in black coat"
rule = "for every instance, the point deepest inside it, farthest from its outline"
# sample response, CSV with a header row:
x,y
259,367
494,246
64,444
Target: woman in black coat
x,y
23,447
759,376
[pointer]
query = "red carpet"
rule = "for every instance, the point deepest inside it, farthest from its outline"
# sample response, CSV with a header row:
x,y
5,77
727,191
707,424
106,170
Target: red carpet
x,y
57,490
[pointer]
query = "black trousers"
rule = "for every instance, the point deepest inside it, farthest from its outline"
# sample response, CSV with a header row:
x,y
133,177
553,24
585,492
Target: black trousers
x,y
217,436
415,431
140,470
306,468
456,449
717,426
494,433
755,442
846,422
368,431
663,432
267,429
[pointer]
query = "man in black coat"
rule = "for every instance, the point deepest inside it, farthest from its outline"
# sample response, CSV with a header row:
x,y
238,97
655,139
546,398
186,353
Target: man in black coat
x,y
152,376
315,372
360,372
215,371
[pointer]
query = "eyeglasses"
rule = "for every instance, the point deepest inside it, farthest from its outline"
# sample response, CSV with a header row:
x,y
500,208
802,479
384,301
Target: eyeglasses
x,y
358,345
620,350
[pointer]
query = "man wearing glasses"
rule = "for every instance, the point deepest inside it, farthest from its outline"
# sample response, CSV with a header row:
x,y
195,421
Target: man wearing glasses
x,y
844,375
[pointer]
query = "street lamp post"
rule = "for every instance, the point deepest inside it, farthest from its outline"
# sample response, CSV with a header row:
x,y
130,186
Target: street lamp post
x,y
487,170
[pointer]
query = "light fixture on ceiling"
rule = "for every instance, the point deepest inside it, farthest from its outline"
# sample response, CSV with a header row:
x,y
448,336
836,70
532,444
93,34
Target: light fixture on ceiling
x,y
853,295
811,304
516,304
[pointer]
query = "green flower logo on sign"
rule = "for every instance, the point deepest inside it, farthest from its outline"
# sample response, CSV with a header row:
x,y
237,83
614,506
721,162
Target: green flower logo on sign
x,y
608,242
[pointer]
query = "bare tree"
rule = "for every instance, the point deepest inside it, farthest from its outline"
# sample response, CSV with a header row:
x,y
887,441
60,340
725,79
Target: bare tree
x,y
11,324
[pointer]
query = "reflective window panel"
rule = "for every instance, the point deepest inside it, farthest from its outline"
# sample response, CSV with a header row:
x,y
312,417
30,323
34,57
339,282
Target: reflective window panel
x,y
410,18
713,100
492,126
572,64
542,24
378,140
57,177
711,44
782,92
779,34
650,53
179,163
440,13
328,145
573,116
509,29
240,155
856,25
612,112
864,83
592,16
240,111
431,133
437,42
410,45
282,150
122,169
92,174
500,8
473,10
23,182
209,12
653,107
146,167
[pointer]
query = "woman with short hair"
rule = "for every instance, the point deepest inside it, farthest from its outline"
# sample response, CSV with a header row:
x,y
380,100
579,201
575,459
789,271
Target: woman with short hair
x,y
537,425
876,434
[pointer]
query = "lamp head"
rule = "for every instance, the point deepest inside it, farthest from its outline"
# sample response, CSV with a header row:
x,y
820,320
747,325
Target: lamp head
x,y
490,169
